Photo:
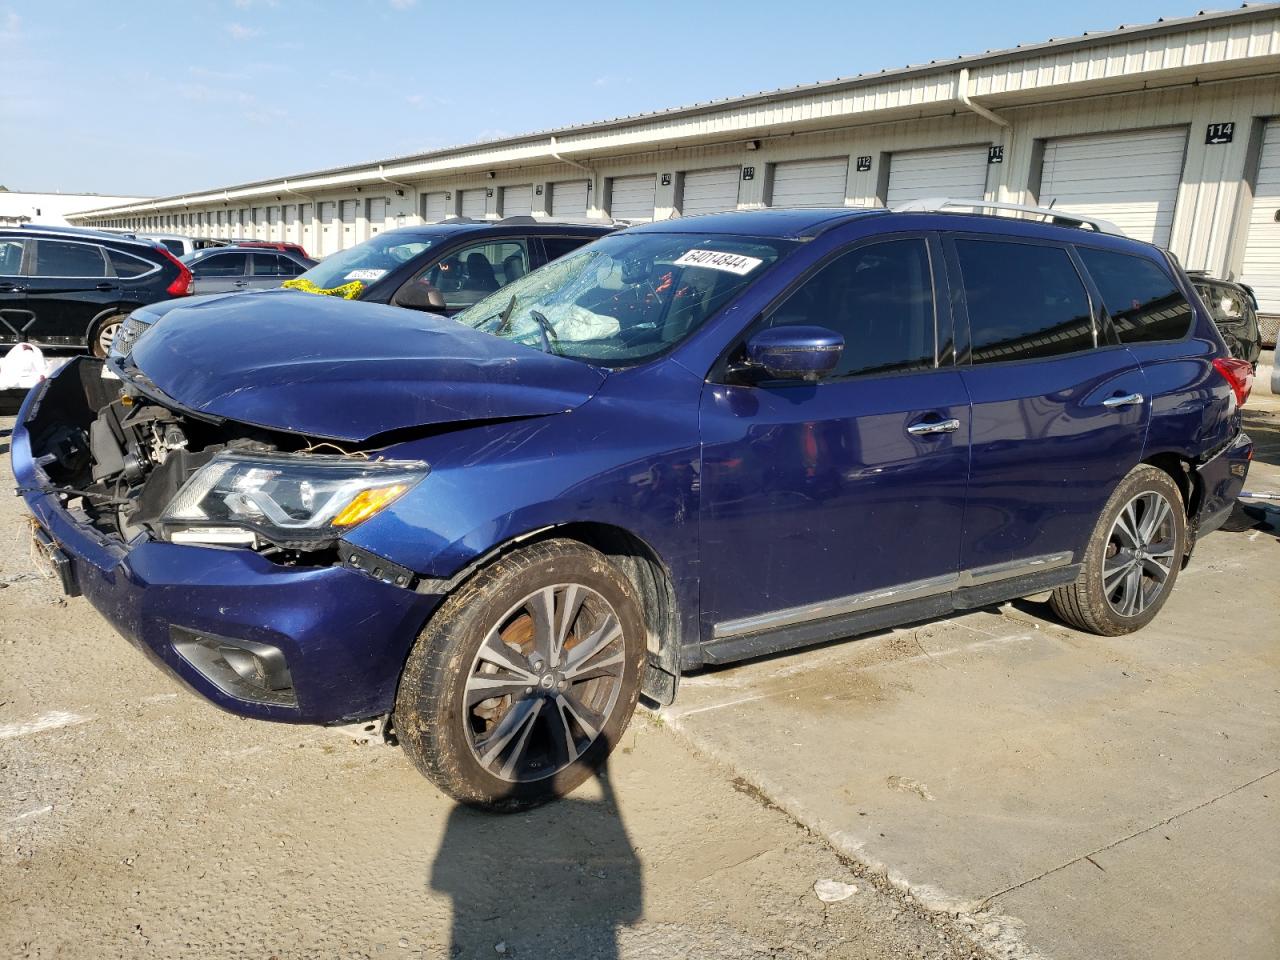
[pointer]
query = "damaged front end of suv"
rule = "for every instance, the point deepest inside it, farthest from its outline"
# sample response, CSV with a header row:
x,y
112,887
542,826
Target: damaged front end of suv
x,y
213,493
129,491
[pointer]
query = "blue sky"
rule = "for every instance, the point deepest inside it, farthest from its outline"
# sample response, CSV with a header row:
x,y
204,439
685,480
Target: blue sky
x,y
139,97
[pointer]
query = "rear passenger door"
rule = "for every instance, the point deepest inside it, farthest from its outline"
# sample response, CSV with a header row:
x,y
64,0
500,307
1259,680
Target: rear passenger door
x,y
1059,414
220,273
70,283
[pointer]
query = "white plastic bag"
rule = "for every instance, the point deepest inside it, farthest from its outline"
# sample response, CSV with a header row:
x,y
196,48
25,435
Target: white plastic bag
x,y
22,367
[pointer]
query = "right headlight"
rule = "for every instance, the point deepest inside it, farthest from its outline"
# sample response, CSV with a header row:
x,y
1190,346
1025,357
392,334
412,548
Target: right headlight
x,y
296,501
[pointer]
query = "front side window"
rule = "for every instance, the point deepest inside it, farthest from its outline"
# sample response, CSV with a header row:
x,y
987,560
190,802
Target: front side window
x,y
367,262
880,299
174,247
626,297
219,265
1024,301
10,257
1144,302
470,274
62,258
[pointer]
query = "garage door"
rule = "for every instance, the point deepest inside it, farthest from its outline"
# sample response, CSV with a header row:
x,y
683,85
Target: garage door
x,y
569,199
810,183
709,191
956,172
434,207
631,198
473,202
306,231
1130,179
273,223
1262,246
517,201
291,222
377,214
328,229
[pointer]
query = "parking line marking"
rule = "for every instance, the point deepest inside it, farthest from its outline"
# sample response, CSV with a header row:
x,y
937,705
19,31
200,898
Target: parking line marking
x,y
54,720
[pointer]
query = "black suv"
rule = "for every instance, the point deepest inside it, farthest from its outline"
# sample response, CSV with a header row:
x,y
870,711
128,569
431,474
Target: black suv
x,y
63,287
438,267
1234,309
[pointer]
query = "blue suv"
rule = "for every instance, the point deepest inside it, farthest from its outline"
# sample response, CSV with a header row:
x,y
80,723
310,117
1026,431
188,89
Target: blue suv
x,y
686,443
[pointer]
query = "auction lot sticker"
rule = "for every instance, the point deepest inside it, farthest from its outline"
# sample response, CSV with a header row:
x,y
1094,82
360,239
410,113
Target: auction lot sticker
x,y
716,260
368,274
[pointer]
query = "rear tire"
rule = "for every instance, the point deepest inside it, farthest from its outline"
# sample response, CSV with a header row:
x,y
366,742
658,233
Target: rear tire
x,y
104,331
1133,557
523,681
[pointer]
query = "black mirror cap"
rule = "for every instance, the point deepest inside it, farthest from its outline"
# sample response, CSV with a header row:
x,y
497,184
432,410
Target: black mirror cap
x,y
795,353
420,296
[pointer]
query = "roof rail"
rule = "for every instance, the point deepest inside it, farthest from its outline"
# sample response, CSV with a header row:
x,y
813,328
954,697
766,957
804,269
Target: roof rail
x,y
1059,217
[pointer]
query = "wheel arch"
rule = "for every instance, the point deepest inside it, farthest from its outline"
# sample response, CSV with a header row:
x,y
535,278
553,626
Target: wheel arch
x,y
1181,469
641,564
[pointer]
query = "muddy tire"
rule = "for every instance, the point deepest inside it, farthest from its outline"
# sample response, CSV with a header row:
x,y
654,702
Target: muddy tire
x,y
104,331
524,680
1133,557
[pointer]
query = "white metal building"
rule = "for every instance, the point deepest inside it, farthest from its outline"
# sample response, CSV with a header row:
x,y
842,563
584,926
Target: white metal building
x,y
17,207
1170,129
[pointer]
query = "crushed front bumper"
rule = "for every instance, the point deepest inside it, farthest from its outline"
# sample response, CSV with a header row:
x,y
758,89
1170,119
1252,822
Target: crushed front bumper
x,y
343,635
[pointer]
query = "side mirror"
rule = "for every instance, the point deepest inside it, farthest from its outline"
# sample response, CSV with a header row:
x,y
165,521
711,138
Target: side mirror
x,y
795,353
420,296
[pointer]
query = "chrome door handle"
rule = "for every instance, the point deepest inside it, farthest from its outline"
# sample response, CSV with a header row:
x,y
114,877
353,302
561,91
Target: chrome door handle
x,y
1128,400
932,427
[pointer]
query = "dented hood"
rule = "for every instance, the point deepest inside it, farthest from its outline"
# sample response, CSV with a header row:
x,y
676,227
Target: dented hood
x,y
347,370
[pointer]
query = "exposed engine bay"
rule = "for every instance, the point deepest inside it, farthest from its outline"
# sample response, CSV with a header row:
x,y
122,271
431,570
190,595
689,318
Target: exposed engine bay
x,y
119,457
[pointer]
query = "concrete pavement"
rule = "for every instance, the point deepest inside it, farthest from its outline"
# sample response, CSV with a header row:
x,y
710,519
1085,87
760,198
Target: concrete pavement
x,y
1067,795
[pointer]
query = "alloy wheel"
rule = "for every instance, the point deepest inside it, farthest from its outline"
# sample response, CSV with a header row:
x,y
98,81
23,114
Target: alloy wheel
x,y
1140,554
106,336
544,683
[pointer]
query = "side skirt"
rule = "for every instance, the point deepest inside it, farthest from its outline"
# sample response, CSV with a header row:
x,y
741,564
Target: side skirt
x,y
850,625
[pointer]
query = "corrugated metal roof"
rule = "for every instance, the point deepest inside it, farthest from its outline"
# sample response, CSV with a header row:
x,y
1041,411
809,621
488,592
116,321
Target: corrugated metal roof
x,y
885,88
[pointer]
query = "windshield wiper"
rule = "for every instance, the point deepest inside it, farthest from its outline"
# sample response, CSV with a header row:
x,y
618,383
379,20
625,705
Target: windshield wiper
x,y
506,315
547,331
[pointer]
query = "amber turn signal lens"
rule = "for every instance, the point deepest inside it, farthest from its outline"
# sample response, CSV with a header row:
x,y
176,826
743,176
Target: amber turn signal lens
x,y
366,504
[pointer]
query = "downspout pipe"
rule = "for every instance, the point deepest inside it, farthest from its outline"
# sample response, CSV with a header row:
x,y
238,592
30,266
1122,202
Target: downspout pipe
x,y
581,166
962,94
417,210
315,207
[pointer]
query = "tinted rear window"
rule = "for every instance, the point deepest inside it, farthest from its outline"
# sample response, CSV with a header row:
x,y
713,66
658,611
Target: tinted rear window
x,y
1024,301
1144,302
62,258
557,247
126,265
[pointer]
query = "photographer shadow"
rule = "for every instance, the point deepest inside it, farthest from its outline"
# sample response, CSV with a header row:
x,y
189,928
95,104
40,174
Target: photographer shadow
x,y
557,881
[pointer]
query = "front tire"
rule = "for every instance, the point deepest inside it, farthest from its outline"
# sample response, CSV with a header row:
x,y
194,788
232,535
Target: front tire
x,y
104,331
523,681
1133,557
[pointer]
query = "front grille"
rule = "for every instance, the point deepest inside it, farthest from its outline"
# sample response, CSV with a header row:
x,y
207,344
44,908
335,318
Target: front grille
x,y
128,335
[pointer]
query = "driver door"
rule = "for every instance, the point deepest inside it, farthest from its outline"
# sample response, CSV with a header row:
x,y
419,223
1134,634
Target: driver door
x,y
824,500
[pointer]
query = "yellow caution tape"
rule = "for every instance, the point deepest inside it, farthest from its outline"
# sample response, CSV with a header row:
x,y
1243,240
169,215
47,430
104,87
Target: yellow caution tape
x,y
348,291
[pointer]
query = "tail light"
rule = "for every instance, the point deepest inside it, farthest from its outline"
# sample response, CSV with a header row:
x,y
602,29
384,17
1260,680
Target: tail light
x,y
1237,373
181,285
